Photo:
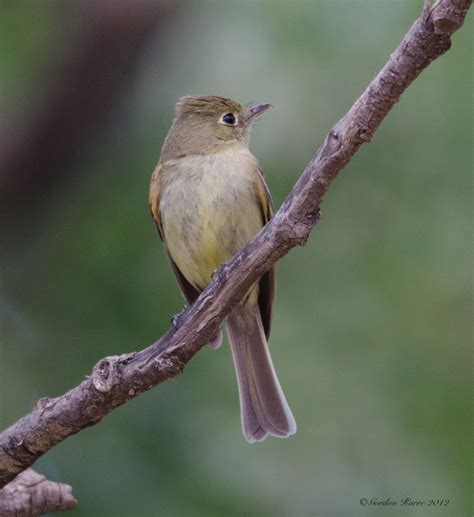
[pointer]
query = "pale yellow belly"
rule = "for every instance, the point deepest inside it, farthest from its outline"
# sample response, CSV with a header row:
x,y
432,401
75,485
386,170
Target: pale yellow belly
x,y
209,210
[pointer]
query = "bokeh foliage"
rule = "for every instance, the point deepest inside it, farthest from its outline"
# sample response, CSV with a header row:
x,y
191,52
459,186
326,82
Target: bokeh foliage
x,y
372,326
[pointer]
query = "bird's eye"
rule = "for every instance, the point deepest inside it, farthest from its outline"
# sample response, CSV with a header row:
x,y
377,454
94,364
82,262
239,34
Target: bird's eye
x,y
229,119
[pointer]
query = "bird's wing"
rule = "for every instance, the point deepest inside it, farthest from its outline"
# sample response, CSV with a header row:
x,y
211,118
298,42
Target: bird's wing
x,y
267,285
264,197
190,293
154,199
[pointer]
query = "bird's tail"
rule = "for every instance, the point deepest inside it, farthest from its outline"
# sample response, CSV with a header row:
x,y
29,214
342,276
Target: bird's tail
x,y
263,406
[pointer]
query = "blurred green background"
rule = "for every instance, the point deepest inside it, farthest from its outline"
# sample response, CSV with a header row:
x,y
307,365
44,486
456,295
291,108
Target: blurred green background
x,y
372,327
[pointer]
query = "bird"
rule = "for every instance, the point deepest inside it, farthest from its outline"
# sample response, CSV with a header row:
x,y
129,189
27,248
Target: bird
x,y
208,198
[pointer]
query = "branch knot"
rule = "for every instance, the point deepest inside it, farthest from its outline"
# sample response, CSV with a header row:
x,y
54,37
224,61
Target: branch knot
x,y
106,373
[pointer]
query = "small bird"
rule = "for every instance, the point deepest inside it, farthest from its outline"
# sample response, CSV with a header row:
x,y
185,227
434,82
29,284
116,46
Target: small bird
x,y
208,198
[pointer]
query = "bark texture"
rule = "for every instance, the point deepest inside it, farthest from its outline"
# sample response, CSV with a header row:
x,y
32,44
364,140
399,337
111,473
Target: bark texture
x,y
32,494
117,379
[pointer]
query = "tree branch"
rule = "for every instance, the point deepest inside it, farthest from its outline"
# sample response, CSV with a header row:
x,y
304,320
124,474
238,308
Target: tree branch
x,y
117,379
32,494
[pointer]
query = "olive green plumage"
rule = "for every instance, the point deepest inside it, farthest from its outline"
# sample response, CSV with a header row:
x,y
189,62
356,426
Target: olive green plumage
x,y
208,198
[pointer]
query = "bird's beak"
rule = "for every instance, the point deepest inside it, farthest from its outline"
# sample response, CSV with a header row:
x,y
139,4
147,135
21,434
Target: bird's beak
x,y
256,111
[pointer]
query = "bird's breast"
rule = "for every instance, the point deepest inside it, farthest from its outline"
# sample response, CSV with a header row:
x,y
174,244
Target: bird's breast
x,y
209,209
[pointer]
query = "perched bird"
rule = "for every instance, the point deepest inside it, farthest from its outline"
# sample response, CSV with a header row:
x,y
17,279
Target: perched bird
x,y
208,198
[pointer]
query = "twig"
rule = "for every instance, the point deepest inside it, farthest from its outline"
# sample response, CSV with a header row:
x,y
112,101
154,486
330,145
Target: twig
x,y
32,494
117,379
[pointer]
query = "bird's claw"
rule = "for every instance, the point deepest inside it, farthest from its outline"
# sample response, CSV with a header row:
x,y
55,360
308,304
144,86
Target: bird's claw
x,y
176,319
317,215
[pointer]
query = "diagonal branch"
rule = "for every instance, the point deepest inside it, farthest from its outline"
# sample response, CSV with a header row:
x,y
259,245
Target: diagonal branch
x,y
117,379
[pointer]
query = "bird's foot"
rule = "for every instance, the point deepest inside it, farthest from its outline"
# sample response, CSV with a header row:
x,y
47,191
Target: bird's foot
x,y
176,319
317,215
